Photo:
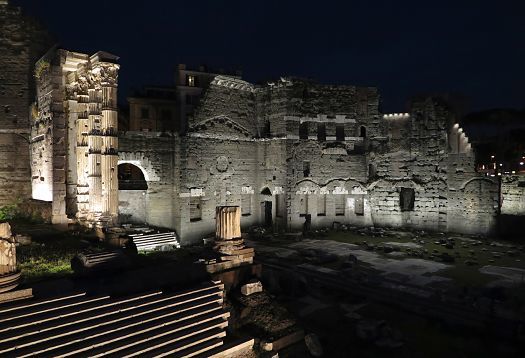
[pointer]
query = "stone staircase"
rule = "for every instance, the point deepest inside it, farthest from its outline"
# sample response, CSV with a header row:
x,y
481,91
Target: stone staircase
x,y
154,324
153,241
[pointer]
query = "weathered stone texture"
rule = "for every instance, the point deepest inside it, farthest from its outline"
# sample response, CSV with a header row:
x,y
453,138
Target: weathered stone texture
x,y
74,136
22,42
513,195
296,155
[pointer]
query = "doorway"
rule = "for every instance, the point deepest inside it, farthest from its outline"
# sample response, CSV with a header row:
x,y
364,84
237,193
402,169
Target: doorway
x,y
267,209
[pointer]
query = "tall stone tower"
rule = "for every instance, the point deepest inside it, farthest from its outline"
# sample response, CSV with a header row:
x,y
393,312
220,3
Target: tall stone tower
x,y
22,42
74,143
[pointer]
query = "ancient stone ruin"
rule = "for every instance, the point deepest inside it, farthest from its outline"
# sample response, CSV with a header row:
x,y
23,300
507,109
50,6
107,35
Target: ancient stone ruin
x,y
295,149
229,244
9,273
291,153
74,143
22,42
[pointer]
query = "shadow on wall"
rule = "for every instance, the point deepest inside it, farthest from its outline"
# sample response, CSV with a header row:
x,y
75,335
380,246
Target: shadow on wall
x,y
511,226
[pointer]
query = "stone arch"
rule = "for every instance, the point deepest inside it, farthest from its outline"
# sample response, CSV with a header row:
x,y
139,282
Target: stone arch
x,y
354,187
471,180
307,186
140,160
266,191
131,177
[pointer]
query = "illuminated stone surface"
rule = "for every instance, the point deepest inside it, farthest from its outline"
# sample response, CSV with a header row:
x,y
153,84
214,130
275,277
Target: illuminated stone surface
x,y
74,142
291,148
22,42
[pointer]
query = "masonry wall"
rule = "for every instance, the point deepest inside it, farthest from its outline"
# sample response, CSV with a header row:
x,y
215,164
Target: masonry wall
x,y
243,147
22,42
157,157
513,195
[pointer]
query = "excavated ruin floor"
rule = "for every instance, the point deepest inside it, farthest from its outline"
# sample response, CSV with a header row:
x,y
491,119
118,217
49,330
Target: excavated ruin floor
x,y
416,258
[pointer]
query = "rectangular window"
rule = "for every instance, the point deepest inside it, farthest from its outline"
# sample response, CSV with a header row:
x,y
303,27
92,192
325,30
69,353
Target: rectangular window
x,y
359,205
303,205
246,204
303,130
321,132
340,204
321,205
406,199
306,169
191,81
144,113
340,132
195,208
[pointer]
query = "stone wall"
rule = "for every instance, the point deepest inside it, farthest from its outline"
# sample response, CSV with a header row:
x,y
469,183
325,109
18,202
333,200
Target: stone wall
x,y
513,195
294,150
157,158
22,42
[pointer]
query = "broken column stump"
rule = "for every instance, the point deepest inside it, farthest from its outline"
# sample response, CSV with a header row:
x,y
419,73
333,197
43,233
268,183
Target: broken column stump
x,y
9,274
229,244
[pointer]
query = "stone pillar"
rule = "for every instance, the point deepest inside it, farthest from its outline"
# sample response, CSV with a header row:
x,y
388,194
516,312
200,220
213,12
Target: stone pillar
x,y
228,222
228,230
9,275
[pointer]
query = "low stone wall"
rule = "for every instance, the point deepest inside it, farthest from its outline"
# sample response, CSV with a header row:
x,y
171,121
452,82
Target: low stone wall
x,y
37,210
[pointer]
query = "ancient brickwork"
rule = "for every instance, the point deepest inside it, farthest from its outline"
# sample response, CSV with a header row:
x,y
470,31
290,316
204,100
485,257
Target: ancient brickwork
x,y
423,155
157,158
295,155
513,195
22,42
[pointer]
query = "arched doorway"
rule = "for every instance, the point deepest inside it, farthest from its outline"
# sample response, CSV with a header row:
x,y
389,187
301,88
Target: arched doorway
x,y
131,177
132,187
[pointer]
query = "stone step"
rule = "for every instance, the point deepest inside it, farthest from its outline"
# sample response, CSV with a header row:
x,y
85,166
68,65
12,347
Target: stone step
x,y
200,349
230,348
168,334
6,307
174,347
117,334
172,233
73,326
155,236
29,318
167,240
60,328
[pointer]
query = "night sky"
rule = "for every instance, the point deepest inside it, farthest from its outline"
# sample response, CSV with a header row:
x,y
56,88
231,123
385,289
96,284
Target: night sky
x,y
475,48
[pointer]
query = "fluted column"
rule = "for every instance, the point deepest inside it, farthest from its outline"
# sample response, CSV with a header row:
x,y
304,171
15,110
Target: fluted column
x,y
228,222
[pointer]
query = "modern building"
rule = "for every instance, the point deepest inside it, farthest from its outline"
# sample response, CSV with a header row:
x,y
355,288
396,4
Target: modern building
x,y
154,109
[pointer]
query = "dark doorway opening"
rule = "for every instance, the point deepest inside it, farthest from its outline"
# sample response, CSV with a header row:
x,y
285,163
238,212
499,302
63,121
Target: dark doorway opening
x,y
268,221
130,177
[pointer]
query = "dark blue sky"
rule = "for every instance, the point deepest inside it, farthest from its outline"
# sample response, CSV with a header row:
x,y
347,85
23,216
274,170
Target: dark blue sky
x,y
476,48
